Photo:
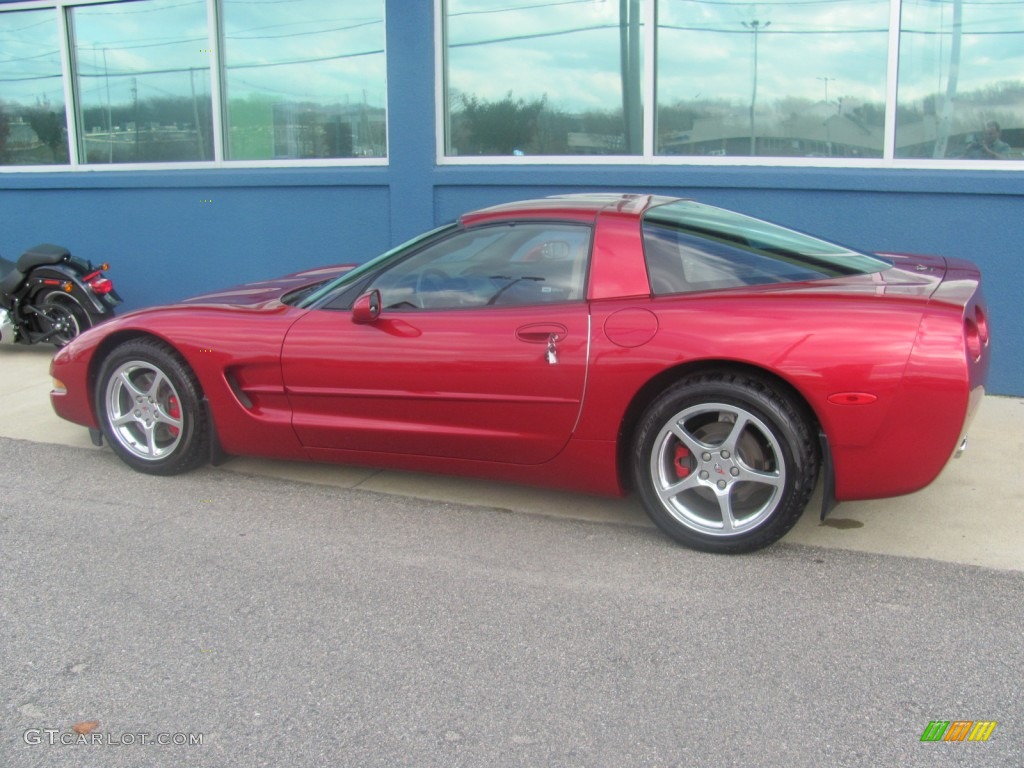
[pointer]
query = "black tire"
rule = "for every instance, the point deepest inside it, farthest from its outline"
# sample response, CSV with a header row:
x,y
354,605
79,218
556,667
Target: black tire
x,y
149,405
63,316
725,462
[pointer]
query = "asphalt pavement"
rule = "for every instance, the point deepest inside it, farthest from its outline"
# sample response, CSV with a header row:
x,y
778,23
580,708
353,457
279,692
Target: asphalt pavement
x,y
220,619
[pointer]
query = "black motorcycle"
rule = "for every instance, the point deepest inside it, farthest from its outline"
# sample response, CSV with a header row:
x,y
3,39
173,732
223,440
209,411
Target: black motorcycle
x,y
48,295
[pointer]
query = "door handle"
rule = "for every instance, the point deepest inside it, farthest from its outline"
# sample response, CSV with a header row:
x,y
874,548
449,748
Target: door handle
x,y
542,333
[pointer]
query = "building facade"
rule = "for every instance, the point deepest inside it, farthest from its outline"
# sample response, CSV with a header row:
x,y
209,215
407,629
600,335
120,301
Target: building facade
x,y
200,143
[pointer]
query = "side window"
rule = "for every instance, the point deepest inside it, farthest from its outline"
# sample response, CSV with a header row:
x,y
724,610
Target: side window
x,y
502,265
680,262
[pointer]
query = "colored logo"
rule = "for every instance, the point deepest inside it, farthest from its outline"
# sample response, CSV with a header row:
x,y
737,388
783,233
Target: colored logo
x,y
958,730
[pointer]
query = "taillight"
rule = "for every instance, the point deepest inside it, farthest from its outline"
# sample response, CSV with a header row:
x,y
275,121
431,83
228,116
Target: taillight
x,y
982,322
973,338
96,272
101,285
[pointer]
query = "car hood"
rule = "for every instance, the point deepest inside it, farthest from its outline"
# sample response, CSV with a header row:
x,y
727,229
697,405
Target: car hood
x,y
264,292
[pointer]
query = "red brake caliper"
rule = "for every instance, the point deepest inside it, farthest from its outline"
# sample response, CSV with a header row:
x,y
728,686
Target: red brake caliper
x,y
174,411
681,461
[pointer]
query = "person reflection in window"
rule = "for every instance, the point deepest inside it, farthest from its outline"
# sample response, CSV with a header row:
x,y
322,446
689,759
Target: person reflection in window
x,y
991,147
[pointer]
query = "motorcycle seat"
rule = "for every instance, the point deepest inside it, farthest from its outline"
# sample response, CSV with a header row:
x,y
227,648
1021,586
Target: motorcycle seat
x,y
10,276
41,255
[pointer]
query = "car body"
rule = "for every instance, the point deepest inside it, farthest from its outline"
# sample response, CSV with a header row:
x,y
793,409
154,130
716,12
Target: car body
x,y
713,362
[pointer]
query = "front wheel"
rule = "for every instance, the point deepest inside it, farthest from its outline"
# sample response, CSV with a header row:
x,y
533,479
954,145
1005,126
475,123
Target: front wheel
x,y
149,405
725,462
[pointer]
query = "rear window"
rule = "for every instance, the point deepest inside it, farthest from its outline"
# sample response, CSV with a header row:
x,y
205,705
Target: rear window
x,y
694,247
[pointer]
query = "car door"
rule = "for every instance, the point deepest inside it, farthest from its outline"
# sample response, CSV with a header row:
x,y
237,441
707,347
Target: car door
x,y
479,351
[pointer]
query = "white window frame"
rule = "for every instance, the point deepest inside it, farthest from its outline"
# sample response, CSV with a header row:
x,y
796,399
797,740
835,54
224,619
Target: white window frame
x,y
649,158
214,30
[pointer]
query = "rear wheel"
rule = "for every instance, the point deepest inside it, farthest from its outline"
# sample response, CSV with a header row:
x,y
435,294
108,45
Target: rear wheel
x,y
150,408
725,462
61,317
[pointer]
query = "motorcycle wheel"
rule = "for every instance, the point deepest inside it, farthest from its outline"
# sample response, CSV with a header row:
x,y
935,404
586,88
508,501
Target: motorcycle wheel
x,y
62,316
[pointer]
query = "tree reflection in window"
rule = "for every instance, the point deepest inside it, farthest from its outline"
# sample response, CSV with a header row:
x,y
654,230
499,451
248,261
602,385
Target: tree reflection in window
x,y
143,73
561,78
961,92
32,120
304,79
775,79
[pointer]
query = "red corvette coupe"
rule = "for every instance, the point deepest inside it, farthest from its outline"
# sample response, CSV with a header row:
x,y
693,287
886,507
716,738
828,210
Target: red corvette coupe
x,y
715,363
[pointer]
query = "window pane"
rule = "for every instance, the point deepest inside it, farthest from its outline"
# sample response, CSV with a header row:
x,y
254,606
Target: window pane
x,y
499,266
305,79
33,128
559,78
961,87
144,81
782,79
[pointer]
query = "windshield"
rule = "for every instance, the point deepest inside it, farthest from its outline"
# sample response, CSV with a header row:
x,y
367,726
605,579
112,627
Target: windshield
x,y
368,267
694,247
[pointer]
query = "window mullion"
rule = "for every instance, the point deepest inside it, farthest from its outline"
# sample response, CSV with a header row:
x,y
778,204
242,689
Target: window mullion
x,y
72,114
892,82
650,106
442,118
221,141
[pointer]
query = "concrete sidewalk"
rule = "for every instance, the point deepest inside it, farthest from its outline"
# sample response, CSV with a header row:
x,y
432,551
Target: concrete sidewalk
x,y
974,512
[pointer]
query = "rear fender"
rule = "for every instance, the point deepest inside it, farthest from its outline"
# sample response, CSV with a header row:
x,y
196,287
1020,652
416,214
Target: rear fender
x,y
943,383
91,303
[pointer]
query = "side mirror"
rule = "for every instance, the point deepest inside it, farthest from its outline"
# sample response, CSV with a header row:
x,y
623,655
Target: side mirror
x,y
366,308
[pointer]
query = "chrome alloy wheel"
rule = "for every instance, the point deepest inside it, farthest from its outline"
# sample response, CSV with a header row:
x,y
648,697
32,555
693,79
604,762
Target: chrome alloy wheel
x,y
143,410
718,469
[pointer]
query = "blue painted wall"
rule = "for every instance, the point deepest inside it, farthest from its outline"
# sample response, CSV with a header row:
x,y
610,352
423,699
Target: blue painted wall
x,y
166,242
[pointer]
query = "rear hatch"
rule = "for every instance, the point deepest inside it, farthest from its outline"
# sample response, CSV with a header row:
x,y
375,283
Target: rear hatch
x,y
912,269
